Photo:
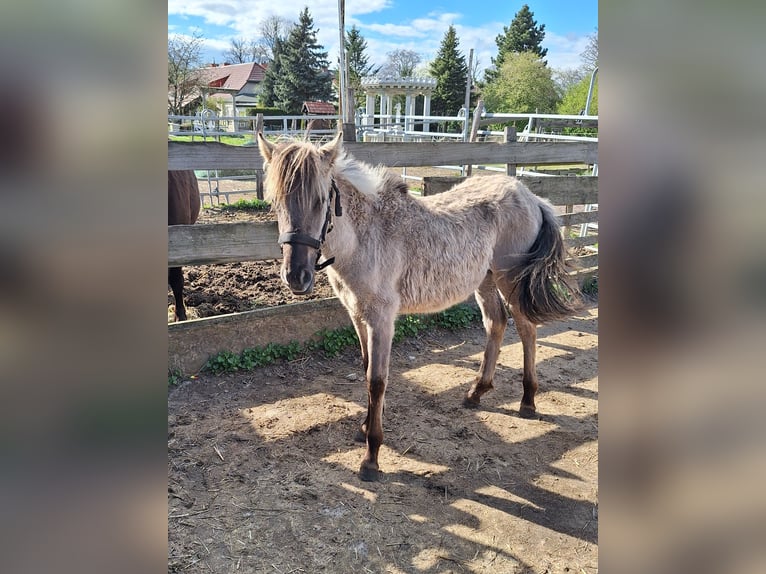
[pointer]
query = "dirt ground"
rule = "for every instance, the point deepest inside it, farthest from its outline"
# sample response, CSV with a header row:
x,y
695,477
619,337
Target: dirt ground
x,y
262,465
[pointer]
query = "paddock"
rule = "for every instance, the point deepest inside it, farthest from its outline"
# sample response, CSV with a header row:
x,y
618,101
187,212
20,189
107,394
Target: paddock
x,y
262,464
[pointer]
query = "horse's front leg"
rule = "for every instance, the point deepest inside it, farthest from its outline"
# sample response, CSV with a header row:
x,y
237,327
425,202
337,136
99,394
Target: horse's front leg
x,y
361,332
176,282
380,333
495,319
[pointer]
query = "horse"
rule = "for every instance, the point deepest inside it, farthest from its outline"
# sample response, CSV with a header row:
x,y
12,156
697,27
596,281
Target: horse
x,y
387,252
183,209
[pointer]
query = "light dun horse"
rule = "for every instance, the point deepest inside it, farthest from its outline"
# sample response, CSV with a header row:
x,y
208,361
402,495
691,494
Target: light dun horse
x,y
183,208
390,253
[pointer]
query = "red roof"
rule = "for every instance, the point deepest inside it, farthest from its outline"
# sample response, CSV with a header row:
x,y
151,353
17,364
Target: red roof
x,y
232,76
319,108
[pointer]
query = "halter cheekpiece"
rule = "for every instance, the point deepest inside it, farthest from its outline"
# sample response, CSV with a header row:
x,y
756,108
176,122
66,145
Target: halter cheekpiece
x,y
304,239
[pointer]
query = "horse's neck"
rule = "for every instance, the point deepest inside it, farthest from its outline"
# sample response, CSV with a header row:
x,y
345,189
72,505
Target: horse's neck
x,y
356,211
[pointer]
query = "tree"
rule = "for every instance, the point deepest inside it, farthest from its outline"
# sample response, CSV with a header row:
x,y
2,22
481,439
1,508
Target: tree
x,y
589,55
184,59
523,35
400,63
524,84
304,73
566,78
272,76
358,63
272,30
240,51
450,70
573,101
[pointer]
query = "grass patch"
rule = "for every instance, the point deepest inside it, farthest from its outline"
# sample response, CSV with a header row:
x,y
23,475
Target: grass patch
x,y
237,140
330,343
246,205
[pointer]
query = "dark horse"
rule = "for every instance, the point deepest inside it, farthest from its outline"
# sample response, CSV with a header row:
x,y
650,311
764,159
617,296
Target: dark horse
x,y
391,253
183,209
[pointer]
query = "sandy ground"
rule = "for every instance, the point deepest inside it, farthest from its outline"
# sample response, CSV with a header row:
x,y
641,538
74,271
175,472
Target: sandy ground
x,y
262,465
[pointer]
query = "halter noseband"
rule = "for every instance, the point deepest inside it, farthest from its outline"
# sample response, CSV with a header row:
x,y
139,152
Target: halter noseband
x,y
304,239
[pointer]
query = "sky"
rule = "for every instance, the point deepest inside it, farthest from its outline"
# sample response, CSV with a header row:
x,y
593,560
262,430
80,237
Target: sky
x,y
387,25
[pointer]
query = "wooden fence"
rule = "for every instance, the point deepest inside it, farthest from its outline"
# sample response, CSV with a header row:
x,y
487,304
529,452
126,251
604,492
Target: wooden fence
x,y
190,344
230,242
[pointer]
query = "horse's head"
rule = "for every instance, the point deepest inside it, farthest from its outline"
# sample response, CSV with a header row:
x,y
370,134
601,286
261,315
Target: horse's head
x,y
299,179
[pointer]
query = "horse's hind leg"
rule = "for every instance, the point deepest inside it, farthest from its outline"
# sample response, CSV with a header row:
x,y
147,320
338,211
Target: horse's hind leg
x,y
495,319
176,282
528,334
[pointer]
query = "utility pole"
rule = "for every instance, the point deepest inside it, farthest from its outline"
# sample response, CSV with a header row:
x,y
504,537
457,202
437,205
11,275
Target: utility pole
x,y
346,109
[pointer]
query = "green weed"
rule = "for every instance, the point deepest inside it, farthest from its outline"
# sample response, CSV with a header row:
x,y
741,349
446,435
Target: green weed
x,y
246,205
332,343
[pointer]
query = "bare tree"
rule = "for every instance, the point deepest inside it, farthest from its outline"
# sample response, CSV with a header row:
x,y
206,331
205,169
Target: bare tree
x,y
589,55
184,59
271,30
240,51
401,63
475,68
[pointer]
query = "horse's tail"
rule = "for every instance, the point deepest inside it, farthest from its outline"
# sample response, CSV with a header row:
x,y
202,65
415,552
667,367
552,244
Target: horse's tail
x,y
544,287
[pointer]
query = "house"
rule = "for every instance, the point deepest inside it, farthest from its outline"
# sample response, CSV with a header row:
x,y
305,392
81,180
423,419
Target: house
x,y
233,86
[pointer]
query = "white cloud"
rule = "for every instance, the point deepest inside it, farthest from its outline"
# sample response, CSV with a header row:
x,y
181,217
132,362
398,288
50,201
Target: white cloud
x,y
564,51
399,30
242,18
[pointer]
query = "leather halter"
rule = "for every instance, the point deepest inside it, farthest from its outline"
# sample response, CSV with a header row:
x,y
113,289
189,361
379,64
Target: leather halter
x,y
304,239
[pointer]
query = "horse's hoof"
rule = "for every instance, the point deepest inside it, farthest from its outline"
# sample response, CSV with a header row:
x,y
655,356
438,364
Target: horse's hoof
x,y
369,474
527,412
470,403
360,436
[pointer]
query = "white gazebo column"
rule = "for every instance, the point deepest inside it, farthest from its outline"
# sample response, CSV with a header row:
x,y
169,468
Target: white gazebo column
x,y
382,110
426,111
408,111
370,109
386,111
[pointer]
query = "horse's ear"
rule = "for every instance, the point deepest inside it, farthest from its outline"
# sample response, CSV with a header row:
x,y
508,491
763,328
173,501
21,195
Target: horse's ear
x,y
266,148
332,149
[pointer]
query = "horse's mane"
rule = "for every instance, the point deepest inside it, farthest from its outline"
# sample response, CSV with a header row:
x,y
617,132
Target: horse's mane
x,y
297,168
368,180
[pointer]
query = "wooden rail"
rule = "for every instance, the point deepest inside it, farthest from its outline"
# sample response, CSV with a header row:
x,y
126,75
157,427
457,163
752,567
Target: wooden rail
x,y
255,241
211,155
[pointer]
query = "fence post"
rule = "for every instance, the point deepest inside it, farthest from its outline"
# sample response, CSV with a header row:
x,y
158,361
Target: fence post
x,y
259,123
474,130
508,137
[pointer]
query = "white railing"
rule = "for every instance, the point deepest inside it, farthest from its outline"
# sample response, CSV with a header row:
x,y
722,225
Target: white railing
x,y
211,126
370,128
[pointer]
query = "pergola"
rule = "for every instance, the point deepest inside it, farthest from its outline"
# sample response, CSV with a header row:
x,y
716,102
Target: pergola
x,y
387,87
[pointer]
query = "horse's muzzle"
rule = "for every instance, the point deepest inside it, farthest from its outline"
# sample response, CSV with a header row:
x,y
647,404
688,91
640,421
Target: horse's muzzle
x,y
297,270
301,283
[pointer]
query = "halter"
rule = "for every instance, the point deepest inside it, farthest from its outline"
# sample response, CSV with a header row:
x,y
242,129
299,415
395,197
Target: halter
x,y
304,239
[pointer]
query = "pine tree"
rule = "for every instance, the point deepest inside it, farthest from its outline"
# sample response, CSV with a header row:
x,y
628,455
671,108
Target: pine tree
x,y
304,73
273,73
450,70
358,62
523,35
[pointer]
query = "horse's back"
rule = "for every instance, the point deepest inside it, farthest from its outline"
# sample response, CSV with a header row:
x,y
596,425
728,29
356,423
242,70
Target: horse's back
x,y
497,189
183,197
